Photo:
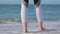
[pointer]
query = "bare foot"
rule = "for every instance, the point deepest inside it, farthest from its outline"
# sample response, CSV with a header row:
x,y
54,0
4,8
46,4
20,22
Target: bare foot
x,y
42,29
25,31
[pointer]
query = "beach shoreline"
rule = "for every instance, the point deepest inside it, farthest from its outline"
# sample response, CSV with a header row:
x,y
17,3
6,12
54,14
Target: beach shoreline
x,y
52,27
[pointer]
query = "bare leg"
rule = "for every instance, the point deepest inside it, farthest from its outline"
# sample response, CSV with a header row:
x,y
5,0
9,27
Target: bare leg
x,y
24,26
39,14
24,10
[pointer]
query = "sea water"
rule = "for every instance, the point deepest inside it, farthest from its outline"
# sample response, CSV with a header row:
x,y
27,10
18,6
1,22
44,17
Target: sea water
x,y
50,12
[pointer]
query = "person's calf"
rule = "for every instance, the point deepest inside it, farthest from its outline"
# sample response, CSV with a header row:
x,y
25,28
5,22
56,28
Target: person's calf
x,y
24,27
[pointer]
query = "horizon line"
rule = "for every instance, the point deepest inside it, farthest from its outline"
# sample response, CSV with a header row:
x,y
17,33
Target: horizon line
x,y
33,4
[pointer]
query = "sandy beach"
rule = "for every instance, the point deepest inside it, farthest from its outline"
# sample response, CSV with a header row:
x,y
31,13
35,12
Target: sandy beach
x,y
52,27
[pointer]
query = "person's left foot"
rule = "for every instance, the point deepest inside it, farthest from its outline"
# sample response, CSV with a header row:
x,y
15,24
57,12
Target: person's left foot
x,y
25,31
42,29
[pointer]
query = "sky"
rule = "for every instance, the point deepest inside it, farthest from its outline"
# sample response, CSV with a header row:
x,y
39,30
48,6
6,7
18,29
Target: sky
x,y
30,1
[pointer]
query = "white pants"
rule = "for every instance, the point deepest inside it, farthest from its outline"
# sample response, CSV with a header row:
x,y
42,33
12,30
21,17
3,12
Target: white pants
x,y
24,13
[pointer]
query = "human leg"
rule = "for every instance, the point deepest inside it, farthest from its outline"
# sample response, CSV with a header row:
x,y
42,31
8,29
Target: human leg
x,y
24,9
39,13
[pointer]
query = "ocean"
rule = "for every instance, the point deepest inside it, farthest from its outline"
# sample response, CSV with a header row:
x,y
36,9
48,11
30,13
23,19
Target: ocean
x,y
50,12
10,21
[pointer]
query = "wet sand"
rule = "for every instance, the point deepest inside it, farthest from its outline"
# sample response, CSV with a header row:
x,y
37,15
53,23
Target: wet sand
x,y
52,27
